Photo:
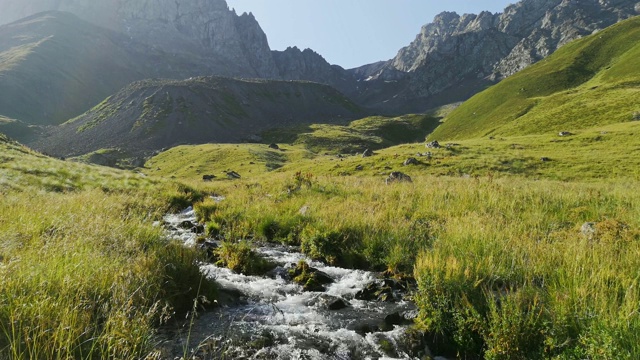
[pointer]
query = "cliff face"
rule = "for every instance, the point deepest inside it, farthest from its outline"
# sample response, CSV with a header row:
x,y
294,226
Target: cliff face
x,y
296,64
463,54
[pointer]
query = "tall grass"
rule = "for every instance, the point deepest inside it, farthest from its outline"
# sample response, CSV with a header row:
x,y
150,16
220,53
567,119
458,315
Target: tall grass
x,y
503,267
85,274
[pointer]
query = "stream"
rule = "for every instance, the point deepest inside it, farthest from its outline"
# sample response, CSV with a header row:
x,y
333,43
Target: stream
x,y
271,317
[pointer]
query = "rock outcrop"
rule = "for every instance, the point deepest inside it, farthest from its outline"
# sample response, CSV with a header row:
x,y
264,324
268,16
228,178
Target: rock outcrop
x,y
461,54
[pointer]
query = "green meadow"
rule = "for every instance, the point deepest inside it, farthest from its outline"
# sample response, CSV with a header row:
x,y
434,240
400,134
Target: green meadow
x,y
524,244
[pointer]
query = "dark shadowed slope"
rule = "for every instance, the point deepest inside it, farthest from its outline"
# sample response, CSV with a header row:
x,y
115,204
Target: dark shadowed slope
x,y
154,114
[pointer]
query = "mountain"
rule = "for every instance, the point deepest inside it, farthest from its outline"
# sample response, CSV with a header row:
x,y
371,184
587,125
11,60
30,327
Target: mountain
x,y
594,81
203,31
456,56
58,64
54,66
203,28
150,115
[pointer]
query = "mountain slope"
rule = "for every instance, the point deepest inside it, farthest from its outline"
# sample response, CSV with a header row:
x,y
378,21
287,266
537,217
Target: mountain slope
x,y
591,82
54,66
155,114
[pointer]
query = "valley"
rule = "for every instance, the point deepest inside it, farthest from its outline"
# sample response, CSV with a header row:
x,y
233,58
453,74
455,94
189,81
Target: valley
x,y
190,194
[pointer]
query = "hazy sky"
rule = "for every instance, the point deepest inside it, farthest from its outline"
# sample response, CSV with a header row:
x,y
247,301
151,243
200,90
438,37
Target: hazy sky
x,y
351,33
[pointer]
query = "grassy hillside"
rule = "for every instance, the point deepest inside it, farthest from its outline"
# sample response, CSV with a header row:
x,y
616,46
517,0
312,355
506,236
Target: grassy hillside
x,y
85,273
373,133
150,115
594,155
523,246
594,81
504,267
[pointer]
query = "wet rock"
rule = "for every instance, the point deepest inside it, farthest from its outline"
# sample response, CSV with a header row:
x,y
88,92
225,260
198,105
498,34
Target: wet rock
x,y
274,146
433,145
198,229
414,343
364,327
396,319
411,161
376,291
337,304
186,225
209,248
386,345
208,177
398,176
278,272
232,175
310,278
329,302
367,153
230,297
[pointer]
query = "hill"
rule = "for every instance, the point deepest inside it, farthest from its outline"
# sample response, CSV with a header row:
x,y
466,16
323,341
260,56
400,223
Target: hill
x,y
375,132
591,82
151,115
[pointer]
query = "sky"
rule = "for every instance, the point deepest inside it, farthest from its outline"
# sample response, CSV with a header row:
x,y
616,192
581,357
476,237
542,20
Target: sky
x,y
351,33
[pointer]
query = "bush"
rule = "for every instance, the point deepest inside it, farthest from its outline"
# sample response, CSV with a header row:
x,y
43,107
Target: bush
x,y
341,247
183,197
184,285
241,258
205,210
286,231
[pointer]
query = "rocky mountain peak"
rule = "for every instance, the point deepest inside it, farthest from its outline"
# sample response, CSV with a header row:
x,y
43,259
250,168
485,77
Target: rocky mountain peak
x,y
468,52
203,27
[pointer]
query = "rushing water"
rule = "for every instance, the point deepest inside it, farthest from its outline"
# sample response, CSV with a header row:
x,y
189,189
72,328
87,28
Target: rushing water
x,y
271,317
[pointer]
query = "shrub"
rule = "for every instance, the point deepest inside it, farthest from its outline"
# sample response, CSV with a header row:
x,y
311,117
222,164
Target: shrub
x,y
181,275
286,230
241,258
342,247
205,210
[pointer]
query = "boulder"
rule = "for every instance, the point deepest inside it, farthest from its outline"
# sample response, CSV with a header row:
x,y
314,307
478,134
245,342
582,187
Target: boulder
x,y
376,291
274,146
367,153
397,176
186,225
232,175
433,145
588,229
411,161
310,278
209,248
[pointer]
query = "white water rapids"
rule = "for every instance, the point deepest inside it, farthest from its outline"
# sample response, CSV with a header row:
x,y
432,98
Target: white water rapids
x,y
270,317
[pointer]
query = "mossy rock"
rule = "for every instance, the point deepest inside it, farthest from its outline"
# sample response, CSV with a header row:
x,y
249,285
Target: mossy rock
x,y
311,279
